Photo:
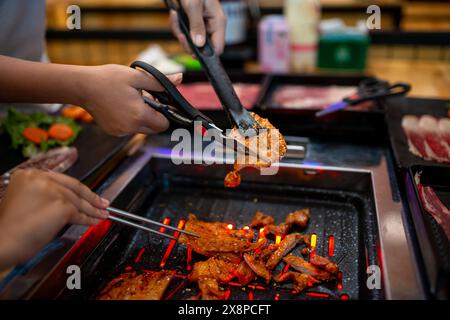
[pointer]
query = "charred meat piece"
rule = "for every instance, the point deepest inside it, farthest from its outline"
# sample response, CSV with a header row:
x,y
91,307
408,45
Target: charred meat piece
x,y
268,143
216,268
210,289
284,248
280,230
300,280
232,179
244,273
258,267
215,238
261,220
324,263
303,266
299,218
134,286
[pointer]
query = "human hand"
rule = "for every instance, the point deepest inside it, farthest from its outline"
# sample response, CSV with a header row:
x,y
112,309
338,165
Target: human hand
x,y
37,204
112,94
205,16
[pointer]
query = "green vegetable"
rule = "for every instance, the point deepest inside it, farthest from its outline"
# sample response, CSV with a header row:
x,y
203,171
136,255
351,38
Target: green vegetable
x,y
16,122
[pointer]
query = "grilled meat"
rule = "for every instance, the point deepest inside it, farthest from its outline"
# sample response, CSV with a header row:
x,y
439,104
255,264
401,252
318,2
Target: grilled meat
x,y
285,247
324,263
269,143
300,280
278,230
216,238
299,218
134,286
261,220
216,268
303,266
210,289
244,273
258,267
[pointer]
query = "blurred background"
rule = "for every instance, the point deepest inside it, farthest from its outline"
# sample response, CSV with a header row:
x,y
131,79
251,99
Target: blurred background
x,y
412,44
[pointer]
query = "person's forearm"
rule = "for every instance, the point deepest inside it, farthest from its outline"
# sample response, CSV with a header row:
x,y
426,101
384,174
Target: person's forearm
x,y
34,82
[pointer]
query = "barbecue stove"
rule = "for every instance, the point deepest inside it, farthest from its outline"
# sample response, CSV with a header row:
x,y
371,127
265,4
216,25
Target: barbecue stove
x,y
356,220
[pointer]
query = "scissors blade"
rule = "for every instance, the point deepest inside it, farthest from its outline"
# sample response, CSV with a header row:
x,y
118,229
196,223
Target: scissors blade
x,y
242,148
332,108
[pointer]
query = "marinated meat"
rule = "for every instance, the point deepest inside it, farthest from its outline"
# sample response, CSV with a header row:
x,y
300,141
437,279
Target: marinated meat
x,y
261,220
216,268
244,273
134,286
303,266
288,243
428,137
279,230
434,206
258,267
270,144
324,263
232,179
210,289
300,281
215,238
299,218
57,160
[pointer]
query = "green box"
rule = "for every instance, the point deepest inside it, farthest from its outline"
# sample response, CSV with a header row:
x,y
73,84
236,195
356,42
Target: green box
x,y
343,51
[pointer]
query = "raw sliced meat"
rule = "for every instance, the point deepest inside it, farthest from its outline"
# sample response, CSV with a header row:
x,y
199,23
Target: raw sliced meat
x,y
202,94
309,97
416,141
444,132
434,206
57,160
435,147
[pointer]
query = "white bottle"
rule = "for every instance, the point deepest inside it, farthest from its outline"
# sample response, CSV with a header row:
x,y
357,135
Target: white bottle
x,y
303,18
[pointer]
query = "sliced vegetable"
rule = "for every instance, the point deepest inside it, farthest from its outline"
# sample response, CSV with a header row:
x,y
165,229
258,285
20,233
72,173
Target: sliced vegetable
x,y
73,112
35,135
29,143
60,131
87,118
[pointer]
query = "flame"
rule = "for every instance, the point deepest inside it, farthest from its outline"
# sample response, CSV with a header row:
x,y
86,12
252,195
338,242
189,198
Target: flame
x,y
277,239
246,228
313,240
172,243
166,221
230,226
330,246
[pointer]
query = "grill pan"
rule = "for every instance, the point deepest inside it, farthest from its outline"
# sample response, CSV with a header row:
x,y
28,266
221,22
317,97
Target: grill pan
x,y
340,203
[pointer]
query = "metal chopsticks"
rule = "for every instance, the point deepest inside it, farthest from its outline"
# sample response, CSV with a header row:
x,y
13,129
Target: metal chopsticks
x,y
149,221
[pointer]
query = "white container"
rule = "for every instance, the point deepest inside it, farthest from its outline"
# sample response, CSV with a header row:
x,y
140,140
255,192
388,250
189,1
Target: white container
x,y
303,18
273,44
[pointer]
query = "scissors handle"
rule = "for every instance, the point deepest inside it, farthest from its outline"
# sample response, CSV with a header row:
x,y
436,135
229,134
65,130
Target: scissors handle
x,y
171,96
373,89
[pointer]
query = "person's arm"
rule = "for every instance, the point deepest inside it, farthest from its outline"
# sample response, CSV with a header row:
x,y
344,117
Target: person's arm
x,y
205,17
36,205
111,93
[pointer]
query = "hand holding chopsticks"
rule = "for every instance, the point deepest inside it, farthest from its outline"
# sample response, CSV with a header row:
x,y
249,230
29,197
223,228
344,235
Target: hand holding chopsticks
x,y
120,216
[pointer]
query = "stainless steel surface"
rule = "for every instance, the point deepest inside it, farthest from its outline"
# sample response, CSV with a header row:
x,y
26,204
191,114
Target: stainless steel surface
x,y
400,279
142,219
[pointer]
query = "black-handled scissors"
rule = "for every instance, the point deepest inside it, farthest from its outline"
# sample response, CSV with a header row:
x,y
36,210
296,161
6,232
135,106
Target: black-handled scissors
x,y
368,89
185,114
